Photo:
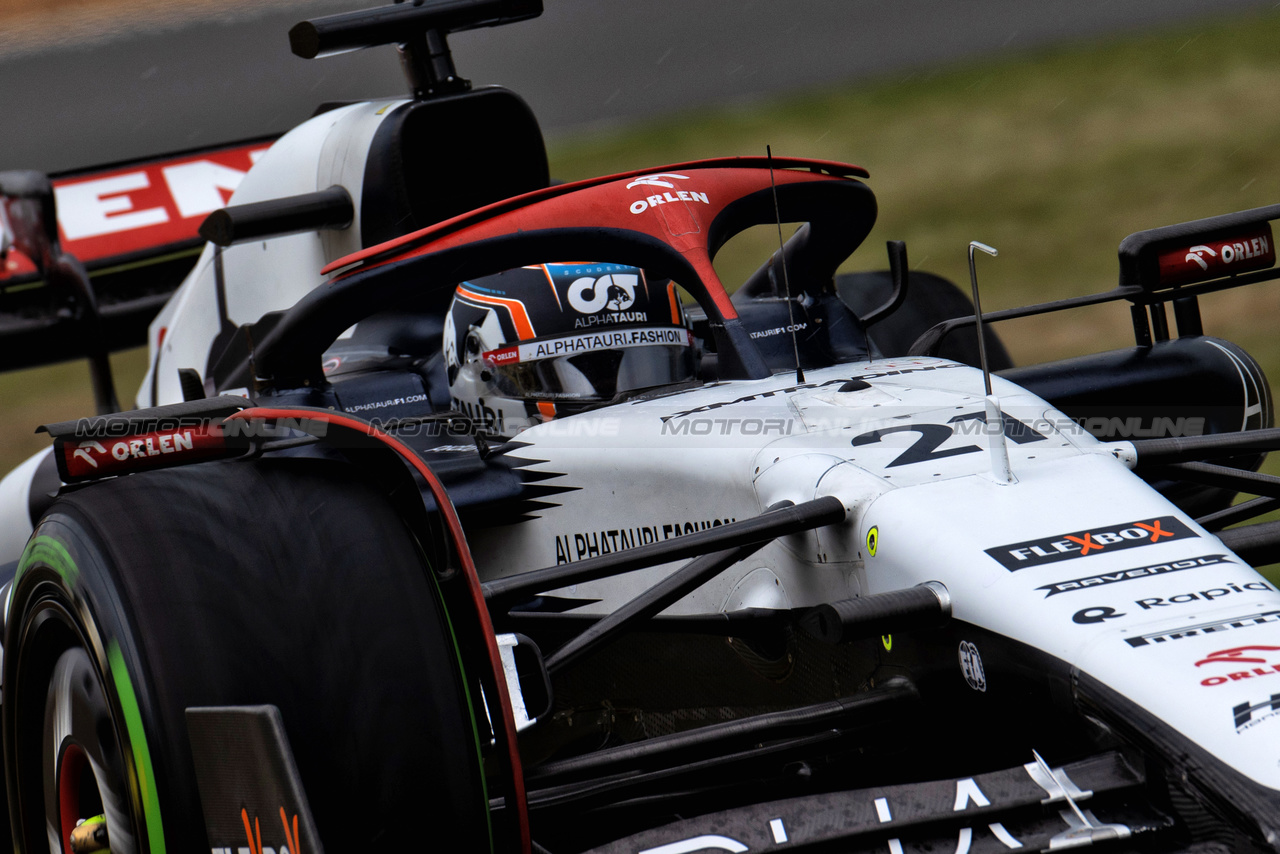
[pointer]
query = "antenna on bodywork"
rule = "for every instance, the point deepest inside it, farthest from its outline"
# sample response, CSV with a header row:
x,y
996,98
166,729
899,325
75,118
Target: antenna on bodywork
x,y
1000,470
782,259
977,311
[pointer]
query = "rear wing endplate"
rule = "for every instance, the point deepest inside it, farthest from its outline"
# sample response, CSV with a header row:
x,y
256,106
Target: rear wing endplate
x,y
133,226
1173,264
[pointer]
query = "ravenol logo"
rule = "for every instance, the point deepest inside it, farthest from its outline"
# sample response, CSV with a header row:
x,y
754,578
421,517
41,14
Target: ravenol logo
x,y
1092,541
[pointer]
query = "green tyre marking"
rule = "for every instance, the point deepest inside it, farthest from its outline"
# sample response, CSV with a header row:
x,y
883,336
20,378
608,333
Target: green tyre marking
x,y
47,551
141,754
53,554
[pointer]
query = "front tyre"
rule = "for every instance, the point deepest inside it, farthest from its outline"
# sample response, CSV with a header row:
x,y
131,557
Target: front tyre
x,y
71,757
288,582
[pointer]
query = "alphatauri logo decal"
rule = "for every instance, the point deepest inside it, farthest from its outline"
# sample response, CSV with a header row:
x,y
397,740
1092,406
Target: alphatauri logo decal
x,y
615,292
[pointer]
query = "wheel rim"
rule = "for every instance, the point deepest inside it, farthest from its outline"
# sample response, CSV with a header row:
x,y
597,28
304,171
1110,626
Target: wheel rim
x,y
82,772
70,776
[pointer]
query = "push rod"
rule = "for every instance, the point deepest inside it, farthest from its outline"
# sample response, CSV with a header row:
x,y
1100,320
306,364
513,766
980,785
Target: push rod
x,y
671,588
1240,480
1192,448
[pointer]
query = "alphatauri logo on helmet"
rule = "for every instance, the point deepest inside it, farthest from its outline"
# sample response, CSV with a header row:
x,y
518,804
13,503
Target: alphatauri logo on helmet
x,y
605,299
614,292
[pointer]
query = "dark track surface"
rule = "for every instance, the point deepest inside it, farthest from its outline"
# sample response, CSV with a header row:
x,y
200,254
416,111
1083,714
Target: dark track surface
x,y
583,61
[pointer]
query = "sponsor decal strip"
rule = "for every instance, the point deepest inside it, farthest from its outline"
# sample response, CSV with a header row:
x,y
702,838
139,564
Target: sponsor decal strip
x,y
90,458
1201,595
1206,628
1251,249
1237,656
1092,541
1243,714
659,180
588,544
780,330
1129,574
1098,614
613,340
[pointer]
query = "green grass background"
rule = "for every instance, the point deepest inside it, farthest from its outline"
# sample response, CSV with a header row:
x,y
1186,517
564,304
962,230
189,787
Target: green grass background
x,y
1051,156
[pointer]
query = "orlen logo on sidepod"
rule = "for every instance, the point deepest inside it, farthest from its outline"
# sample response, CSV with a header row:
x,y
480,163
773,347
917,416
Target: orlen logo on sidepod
x,y
1091,541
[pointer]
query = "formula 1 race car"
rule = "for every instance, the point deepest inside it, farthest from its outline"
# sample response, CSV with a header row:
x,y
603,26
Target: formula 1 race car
x,y
464,508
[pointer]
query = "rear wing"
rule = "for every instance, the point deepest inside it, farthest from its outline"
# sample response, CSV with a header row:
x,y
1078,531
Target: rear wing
x,y
134,229
1171,265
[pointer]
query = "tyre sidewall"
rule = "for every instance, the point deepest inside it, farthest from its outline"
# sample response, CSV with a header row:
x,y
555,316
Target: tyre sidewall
x,y
291,583
62,597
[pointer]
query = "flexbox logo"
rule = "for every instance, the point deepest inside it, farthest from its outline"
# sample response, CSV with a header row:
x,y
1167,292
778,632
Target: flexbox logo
x,y
1091,541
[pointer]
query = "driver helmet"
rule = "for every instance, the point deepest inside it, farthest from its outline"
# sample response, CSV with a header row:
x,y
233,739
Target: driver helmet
x,y
528,345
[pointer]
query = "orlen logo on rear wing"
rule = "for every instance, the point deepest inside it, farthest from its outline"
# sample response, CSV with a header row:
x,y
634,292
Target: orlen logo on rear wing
x,y
1199,251
143,209
1242,252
